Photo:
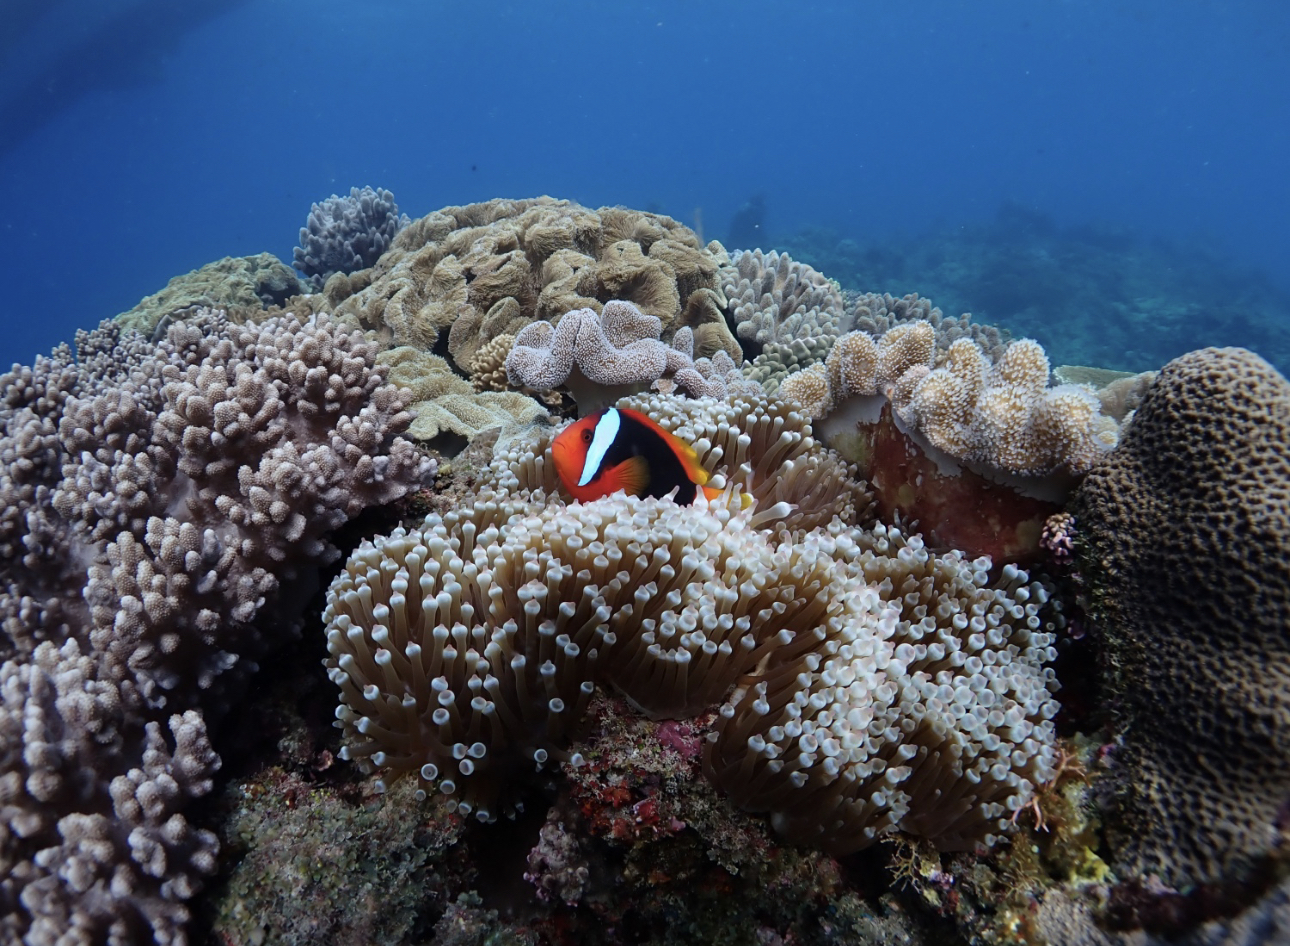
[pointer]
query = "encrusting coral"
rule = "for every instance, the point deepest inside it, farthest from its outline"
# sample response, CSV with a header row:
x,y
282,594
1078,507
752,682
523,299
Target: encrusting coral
x,y
466,650
1183,533
243,285
165,506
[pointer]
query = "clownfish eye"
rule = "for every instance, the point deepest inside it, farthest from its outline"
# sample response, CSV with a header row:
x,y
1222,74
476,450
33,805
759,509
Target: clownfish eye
x,y
586,436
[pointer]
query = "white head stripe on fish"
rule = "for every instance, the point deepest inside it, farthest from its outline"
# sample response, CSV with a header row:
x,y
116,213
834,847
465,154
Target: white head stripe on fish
x,y
603,438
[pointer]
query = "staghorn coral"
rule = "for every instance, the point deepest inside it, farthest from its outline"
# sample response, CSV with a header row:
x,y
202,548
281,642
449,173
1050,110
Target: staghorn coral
x,y
164,507
346,234
466,651
1182,535
498,265
244,285
775,299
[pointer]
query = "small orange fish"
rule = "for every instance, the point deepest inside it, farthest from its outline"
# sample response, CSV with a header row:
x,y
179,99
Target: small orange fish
x,y
619,448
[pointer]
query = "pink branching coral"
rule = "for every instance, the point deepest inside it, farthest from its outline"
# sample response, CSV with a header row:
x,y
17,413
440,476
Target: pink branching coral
x,y
164,508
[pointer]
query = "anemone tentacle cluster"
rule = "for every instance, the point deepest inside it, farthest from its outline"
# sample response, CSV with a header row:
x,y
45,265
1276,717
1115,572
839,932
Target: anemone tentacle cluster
x,y
871,685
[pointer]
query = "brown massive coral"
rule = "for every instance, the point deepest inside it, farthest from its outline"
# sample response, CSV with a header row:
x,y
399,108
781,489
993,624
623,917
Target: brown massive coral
x,y
483,271
1184,535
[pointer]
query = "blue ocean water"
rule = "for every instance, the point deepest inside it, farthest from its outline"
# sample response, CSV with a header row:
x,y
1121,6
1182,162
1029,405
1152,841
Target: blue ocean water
x,y
1058,166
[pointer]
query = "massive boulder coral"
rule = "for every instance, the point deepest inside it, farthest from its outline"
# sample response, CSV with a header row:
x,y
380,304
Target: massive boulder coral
x,y
481,271
467,650
346,234
1183,533
165,506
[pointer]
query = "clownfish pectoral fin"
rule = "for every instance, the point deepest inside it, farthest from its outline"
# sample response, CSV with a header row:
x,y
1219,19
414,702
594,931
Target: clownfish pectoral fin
x,y
631,476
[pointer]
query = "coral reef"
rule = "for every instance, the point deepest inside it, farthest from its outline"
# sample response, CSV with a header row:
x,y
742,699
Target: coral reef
x,y
1093,295
346,234
165,506
496,266
243,286
1183,533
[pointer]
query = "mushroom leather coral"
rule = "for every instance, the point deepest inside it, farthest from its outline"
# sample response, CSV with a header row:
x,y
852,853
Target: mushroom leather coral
x,y
488,269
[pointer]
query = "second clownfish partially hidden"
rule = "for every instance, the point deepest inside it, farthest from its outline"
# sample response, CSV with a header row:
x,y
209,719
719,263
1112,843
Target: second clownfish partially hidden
x,y
622,449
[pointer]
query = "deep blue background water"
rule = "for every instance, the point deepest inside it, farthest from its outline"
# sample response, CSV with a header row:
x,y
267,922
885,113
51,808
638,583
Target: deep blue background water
x,y
139,140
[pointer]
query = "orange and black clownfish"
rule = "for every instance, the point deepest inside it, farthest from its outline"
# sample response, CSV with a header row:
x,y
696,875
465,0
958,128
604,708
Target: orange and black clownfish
x,y
619,448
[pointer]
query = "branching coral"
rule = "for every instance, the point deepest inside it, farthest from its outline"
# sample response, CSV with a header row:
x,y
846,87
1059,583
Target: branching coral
x,y
346,234
774,298
876,313
164,507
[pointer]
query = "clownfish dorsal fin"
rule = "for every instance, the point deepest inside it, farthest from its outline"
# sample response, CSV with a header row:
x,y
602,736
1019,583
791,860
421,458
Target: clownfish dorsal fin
x,y
683,451
632,476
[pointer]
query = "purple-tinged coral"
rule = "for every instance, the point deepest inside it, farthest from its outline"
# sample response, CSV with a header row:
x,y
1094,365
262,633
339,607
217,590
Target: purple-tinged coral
x,y
603,356
165,505
346,234
598,356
